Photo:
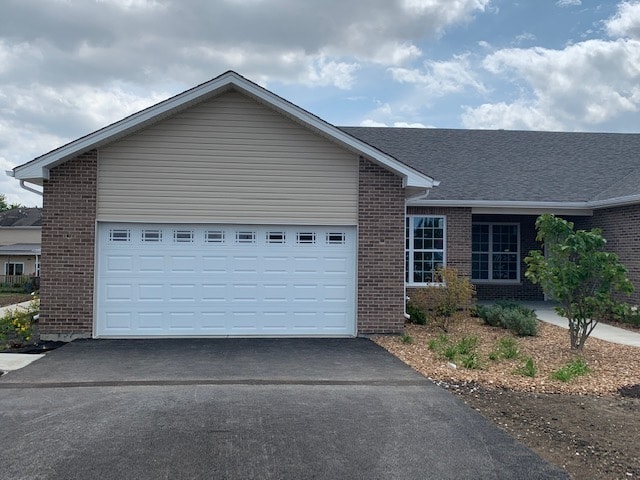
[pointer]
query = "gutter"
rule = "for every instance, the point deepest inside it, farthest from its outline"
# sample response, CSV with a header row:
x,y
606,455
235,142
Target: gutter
x,y
11,174
591,204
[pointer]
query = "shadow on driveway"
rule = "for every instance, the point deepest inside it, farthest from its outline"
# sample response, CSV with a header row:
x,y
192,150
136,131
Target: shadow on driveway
x,y
244,408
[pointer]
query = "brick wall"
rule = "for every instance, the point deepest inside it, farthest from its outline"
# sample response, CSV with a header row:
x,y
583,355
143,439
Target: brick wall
x,y
621,227
380,250
68,239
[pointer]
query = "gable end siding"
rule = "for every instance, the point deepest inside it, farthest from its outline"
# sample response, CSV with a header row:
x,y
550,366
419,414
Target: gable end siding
x,y
68,242
228,160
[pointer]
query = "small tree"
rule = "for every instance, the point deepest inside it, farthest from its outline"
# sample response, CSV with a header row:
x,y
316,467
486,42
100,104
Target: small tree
x,y
453,293
577,273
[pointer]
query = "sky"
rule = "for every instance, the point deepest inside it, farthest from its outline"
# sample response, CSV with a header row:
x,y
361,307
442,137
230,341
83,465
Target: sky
x,y
70,67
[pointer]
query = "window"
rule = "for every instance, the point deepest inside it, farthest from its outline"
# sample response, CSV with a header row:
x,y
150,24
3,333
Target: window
x,y
214,236
183,236
245,237
495,252
119,235
276,237
151,235
425,248
14,268
306,237
336,238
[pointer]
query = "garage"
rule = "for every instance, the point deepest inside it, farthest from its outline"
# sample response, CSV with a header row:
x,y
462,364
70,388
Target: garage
x,y
225,280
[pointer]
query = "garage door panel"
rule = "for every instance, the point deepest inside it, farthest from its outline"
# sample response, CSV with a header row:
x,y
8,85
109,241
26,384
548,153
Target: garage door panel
x,y
225,280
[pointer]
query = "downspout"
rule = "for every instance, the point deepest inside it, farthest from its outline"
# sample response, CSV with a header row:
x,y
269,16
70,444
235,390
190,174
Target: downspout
x,y
10,173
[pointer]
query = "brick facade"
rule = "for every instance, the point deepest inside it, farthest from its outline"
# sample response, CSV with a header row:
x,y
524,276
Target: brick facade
x,y
68,245
380,250
621,227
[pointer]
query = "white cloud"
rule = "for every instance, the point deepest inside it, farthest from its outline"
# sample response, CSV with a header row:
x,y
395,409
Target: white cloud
x,y
442,78
569,3
374,123
626,22
579,87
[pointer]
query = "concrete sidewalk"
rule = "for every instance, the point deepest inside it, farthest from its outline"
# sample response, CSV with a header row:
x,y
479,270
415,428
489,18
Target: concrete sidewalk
x,y
545,312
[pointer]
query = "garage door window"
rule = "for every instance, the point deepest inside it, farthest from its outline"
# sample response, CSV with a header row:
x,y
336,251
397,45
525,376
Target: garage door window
x,y
183,236
306,237
154,235
336,238
276,237
214,236
119,235
245,237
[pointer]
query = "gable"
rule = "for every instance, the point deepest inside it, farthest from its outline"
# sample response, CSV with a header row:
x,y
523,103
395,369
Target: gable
x,y
229,159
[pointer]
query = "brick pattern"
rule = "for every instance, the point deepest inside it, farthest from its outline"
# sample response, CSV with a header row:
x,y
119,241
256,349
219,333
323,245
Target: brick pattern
x,y
68,242
620,226
380,250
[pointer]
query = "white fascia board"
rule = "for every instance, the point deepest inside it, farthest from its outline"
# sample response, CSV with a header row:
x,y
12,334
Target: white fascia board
x,y
484,206
38,168
615,202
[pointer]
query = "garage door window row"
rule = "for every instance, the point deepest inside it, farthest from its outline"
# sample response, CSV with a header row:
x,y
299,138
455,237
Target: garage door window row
x,y
156,235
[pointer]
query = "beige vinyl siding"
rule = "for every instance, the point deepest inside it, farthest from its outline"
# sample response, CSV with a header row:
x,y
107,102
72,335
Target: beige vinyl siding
x,y
228,160
13,235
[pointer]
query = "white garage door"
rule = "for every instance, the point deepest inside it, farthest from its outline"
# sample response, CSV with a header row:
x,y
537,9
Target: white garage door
x,y
195,280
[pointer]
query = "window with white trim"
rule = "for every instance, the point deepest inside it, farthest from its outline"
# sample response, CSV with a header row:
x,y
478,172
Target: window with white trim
x,y
495,252
306,237
14,268
276,237
425,248
245,237
119,235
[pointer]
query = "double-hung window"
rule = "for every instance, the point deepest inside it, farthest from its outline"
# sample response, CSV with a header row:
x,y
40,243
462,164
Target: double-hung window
x,y
425,248
495,252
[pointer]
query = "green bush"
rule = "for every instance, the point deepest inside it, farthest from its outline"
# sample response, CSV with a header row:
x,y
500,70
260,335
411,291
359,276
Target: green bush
x,y
438,344
471,361
528,369
507,314
416,314
452,294
406,338
16,326
467,345
625,313
575,368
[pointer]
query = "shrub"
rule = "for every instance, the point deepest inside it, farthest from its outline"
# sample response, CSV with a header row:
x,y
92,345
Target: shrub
x,y
16,326
416,314
625,313
467,345
528,369
454,293
575,368
438,344
520,320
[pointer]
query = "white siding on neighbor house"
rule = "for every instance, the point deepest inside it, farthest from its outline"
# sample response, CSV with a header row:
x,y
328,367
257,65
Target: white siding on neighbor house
x,y
228,160
13,235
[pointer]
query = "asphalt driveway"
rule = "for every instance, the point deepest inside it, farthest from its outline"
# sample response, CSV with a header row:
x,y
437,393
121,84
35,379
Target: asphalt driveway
x,y
241,409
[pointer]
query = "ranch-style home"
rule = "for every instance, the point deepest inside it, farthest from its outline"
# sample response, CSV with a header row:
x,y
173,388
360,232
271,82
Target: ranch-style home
x,y
229,211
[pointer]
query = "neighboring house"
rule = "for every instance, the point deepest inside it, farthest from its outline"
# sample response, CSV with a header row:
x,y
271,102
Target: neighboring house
x,y
20,232
227,210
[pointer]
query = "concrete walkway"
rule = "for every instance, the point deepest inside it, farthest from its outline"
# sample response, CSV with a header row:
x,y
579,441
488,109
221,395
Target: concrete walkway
x,y
545,312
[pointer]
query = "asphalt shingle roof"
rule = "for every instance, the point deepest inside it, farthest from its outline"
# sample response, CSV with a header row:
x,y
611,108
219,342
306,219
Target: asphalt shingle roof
x,y
502,165
21,217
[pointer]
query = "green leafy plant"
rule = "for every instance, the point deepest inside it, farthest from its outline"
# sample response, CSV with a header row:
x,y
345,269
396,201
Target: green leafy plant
x,y
576,368
625,313
452,294
406,338
16,326
577,272
450,352
467,345
437,344
506,348
416,314
471,361
528,368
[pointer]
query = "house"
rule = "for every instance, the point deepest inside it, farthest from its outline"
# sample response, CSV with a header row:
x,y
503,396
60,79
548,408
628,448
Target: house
x,y
228,211
20,232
